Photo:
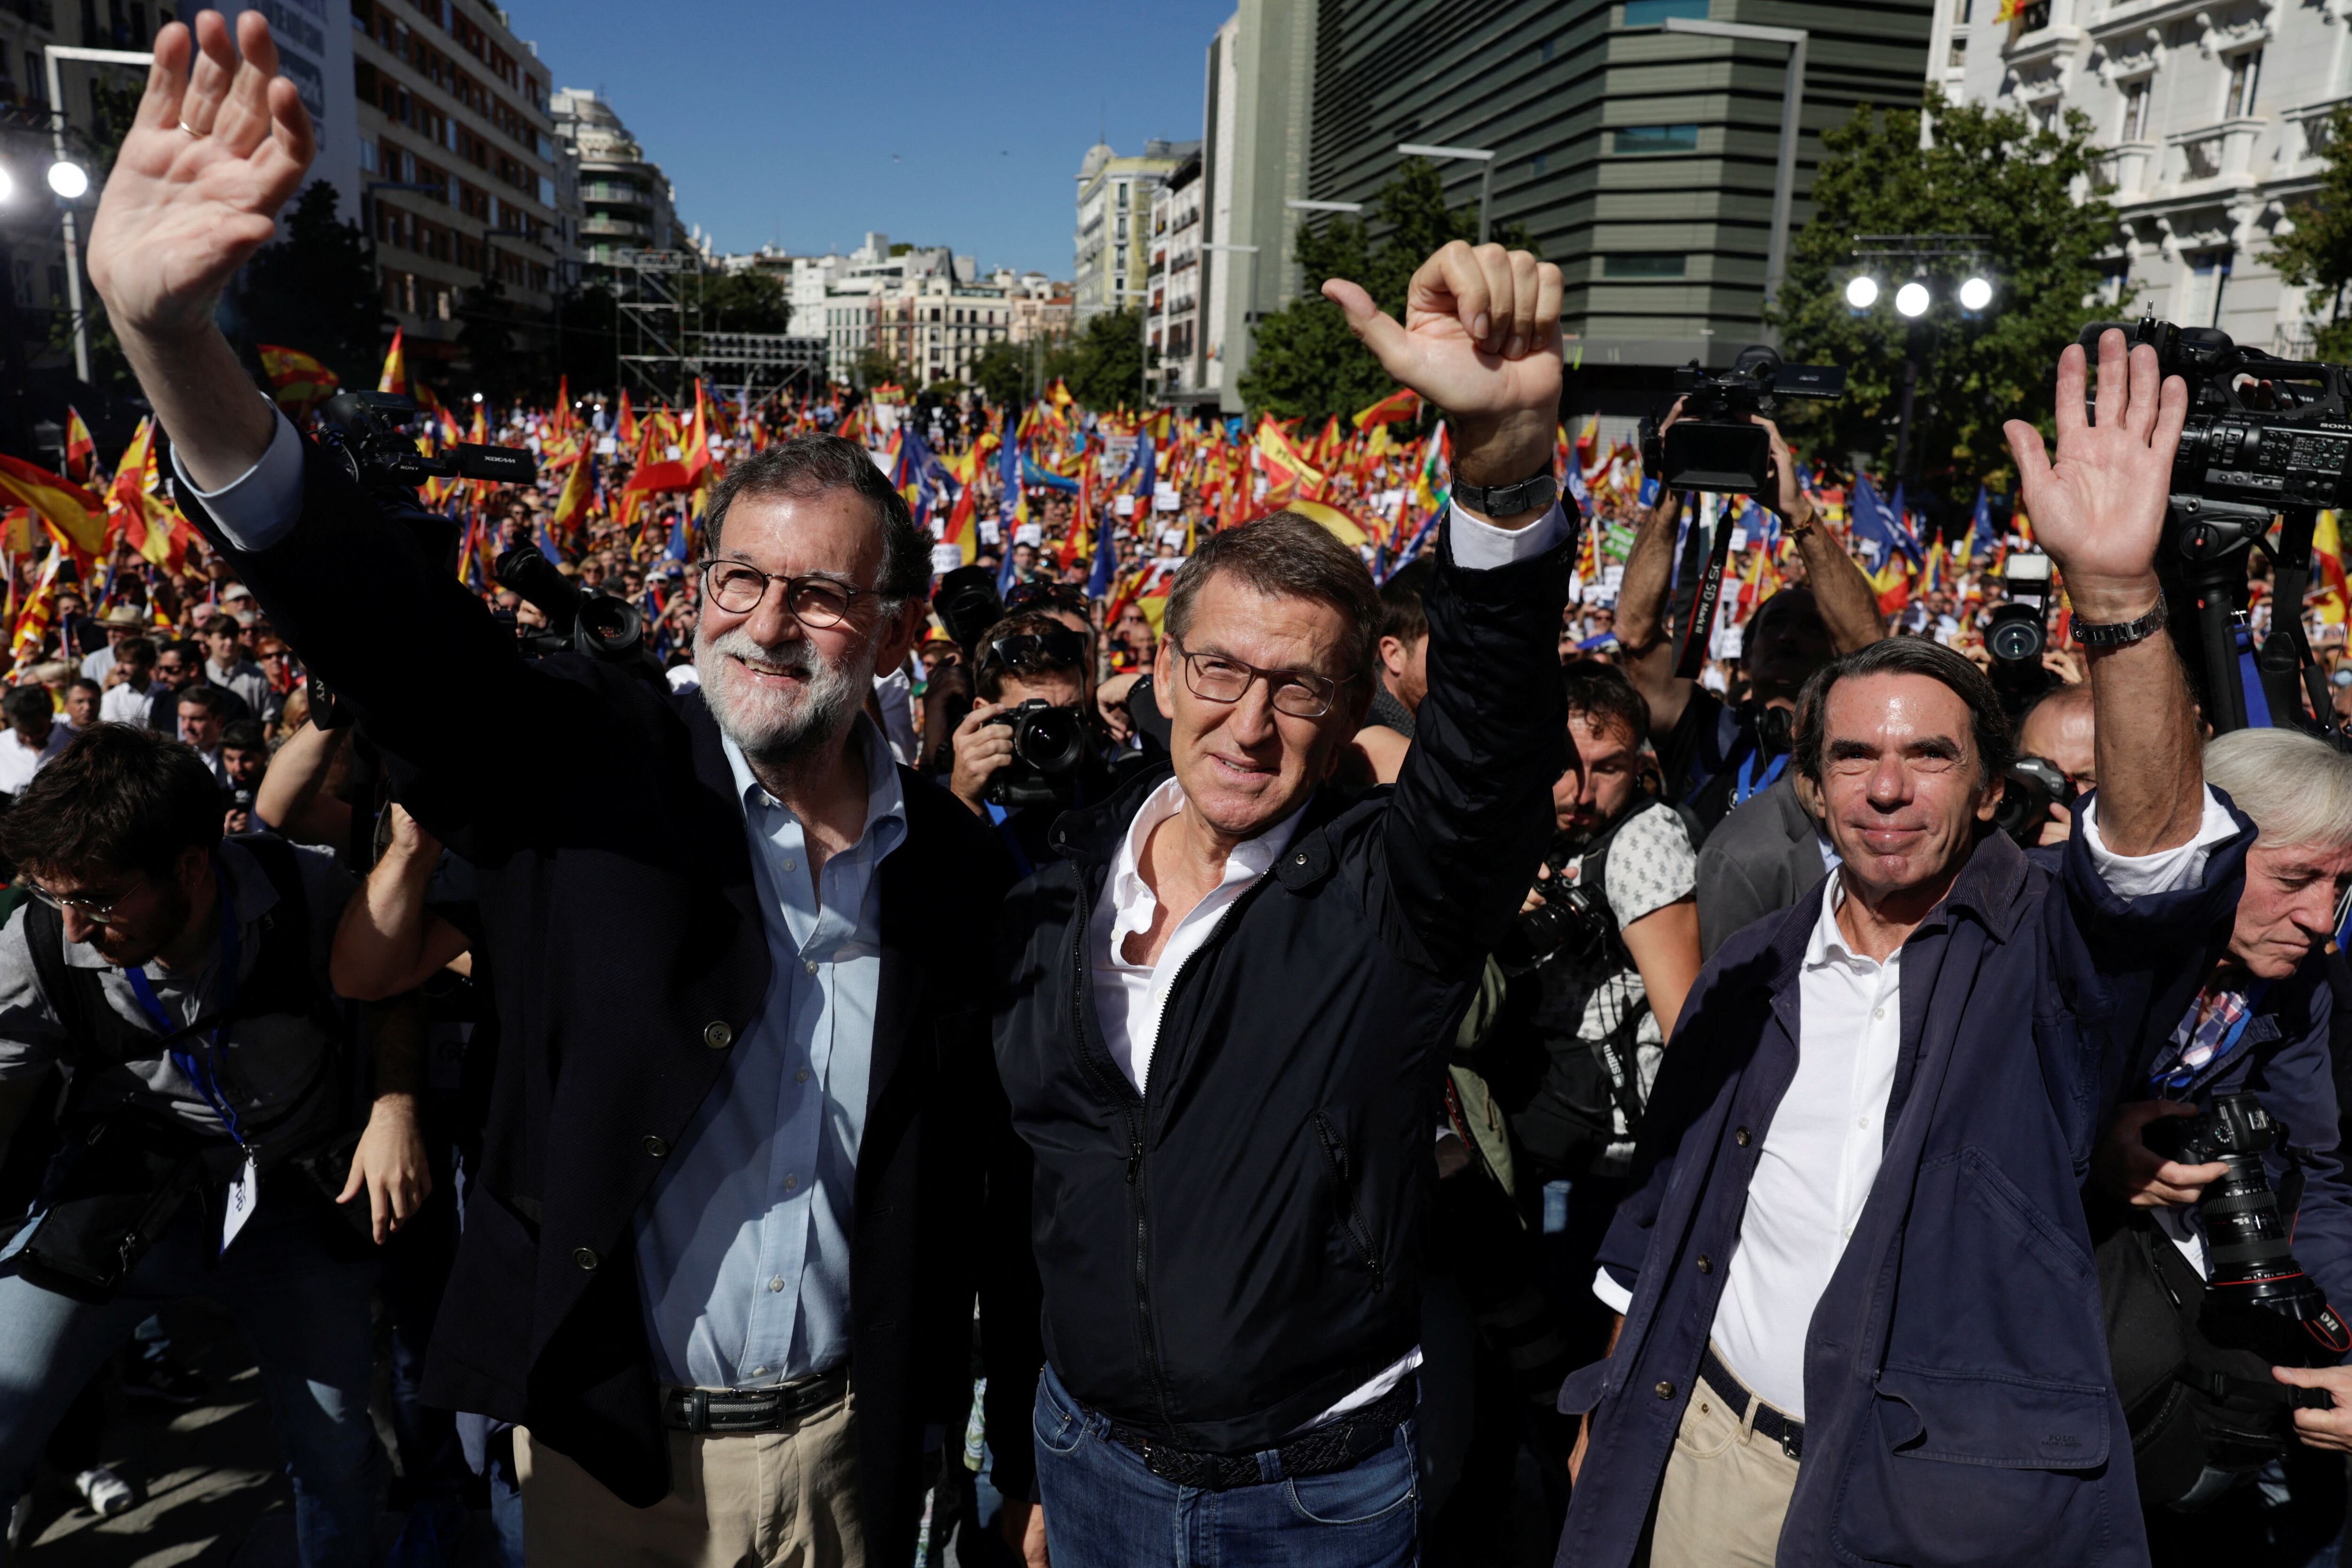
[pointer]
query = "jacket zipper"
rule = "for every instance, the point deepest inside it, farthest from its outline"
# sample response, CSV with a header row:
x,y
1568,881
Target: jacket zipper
x,y
1337,1153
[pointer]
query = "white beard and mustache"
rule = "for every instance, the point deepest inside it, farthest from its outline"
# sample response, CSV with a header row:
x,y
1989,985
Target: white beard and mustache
x,y
773,726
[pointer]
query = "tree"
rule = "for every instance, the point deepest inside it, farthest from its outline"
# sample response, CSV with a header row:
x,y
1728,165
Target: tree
x,y
2313,250
745,302
1306,362
502,369
1106,361
1001,371
1985,171
315,291
874,367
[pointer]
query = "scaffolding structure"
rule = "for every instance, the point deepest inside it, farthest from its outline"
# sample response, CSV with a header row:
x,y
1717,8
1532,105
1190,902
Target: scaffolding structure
x,y
755,365
653,320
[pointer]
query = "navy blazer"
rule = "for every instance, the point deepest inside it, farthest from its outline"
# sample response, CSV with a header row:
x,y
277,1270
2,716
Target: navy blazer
x,y
1960,1406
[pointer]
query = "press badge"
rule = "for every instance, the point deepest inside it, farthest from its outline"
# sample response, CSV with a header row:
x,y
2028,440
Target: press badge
x,y
244,1196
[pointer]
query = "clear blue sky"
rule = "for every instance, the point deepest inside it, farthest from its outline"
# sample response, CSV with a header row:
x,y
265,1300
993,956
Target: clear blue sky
x,y
806,124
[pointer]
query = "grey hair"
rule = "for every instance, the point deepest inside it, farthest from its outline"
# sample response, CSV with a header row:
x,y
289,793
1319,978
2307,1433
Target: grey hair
x,y
812,465
2296,788
1286,556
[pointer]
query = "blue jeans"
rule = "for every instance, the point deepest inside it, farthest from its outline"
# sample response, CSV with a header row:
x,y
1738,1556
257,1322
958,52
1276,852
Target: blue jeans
x,y
303,1313
1104,1510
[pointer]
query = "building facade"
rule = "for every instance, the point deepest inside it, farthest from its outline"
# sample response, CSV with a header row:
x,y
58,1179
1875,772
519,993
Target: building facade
x,y
458,161
626,203
1256,111
935,325
2215,120
1114,233
1174,283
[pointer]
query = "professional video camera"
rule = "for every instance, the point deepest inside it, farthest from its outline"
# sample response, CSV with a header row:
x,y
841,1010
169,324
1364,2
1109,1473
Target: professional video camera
x,y
364,429
598,625
2030,788
1050,746
1713,446
2246,1238
2265,438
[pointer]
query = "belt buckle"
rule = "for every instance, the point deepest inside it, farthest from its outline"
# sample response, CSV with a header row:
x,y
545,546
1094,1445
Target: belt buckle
x,y
1792,1441
697,1411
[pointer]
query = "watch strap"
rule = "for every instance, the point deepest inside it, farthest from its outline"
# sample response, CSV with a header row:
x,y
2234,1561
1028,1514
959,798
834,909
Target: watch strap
x,y
1535,494
2121,634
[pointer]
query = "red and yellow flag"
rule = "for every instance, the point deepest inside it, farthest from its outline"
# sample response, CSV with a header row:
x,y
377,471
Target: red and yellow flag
x,y
81,452
71,510
297,382
1401,404
394,378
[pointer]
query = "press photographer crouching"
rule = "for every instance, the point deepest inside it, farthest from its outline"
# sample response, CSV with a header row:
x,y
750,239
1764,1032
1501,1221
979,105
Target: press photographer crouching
x,y
175,982
2200,1277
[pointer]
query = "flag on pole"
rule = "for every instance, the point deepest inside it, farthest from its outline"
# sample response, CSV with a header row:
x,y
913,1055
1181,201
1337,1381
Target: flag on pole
x,y
394,378
75,513
81,452
1401,404
297,382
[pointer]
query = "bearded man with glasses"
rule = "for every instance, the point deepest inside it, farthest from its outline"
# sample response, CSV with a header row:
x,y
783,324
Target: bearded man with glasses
x,y
1224,1026
719,1255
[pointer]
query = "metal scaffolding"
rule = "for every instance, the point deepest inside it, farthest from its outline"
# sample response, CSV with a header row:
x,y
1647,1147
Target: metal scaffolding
x,y
755,364
653,322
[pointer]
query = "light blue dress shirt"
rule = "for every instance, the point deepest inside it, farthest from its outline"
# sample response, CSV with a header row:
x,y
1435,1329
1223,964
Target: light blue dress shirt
x,y
743,1250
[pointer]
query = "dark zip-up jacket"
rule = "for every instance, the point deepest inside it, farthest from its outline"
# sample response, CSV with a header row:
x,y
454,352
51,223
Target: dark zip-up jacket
x,y
1227,1255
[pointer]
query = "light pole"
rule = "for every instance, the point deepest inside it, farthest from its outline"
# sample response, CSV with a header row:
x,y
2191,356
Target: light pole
x,y
1486,158
51,55
1924,255
1792,108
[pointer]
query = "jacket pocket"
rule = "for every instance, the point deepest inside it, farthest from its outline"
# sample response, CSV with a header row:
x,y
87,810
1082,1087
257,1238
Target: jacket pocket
x,y
1349,1215
1951,1468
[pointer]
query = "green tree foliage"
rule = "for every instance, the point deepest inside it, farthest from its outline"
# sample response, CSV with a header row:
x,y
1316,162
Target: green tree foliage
x,y
1001,373
874,367
1987,172
1306,363
2316,254
315,290
1106,361
490,332
744,302
589,338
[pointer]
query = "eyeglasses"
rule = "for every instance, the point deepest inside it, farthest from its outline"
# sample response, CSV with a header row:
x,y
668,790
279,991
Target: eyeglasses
x,y
92,907
1217,677
736,588
1060,648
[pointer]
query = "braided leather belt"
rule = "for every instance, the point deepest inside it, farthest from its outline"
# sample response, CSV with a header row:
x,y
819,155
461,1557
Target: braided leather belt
x,y
727,1411
1782,1429
1336,1445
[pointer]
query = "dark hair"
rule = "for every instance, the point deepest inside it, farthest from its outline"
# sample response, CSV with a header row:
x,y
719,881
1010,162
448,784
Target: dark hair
x,y
118,797
27,703
1401,617
79,682
1600,692
812,465
185,648
990,677
206,695
135,650
1996,743
243,735
1289,557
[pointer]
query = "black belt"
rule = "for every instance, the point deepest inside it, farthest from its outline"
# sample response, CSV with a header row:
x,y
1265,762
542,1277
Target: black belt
x,y
730,1410
1337,1445
1782,1429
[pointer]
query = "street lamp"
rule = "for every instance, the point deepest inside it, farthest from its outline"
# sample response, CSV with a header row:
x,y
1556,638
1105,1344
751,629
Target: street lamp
x,y
1485,157
1924,256
70,180
1975,293
78,179
1249,302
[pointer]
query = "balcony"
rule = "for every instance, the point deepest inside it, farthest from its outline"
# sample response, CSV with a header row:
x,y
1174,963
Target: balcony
x,y
2126,169
2307,136
2216,154
603,225
2044,33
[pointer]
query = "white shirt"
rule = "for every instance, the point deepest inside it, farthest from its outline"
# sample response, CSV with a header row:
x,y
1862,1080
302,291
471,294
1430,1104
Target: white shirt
x,y
1822,1153
1132,997
20,762
125,704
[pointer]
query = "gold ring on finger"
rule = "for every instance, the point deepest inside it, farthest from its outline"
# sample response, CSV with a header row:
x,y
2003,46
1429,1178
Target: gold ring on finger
x,y
192,131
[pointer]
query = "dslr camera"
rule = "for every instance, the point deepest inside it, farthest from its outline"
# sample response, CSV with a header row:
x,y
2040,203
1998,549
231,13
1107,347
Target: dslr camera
x,y
1050,746
1713,446
1573,923
2019,627
2247,1239
2030,788
363,431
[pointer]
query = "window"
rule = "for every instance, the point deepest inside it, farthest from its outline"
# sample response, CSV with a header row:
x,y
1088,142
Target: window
x,y
1650,13
1547,48
2245,73
2208,281
1536,165
1964,13
1657,139
2136,109
1960,55
1643,264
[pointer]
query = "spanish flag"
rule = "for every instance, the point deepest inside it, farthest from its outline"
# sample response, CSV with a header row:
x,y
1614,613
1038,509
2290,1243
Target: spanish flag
x,y
625,426
71,510
81,452
297,382
571,506
41,610
394,378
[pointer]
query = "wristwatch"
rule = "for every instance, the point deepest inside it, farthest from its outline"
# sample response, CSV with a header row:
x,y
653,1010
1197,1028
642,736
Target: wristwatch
x,y
2121,634
1509,501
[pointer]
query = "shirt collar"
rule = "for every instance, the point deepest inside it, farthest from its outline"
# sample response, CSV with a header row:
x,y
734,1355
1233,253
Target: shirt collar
x,y
1248,860
1827,944
886,795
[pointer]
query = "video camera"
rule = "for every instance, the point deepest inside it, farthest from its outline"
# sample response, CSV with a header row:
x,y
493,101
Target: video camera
x,y
1713,446
2265,438
364,429
601,625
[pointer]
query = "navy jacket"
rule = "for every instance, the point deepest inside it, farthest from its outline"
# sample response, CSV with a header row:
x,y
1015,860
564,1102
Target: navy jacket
x,y
1959,1408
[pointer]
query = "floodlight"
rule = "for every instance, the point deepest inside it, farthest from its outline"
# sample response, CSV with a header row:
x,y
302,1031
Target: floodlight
x,y
69,179
1911,300
1975,293
1863,293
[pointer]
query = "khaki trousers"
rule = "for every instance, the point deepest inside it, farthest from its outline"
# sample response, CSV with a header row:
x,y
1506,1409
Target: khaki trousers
x,y
1726,1490
758,1500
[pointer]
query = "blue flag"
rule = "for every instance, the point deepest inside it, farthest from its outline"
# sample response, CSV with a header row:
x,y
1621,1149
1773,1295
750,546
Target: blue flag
x,y
1106,569
1982,534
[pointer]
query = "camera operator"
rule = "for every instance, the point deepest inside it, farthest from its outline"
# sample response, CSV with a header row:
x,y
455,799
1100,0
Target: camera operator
x,y
1024,660
1860,1319
2061,730
1715,755
208,1159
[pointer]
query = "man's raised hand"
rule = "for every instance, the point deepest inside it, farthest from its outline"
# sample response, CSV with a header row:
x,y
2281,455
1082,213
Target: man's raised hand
x,y
214,151
1480,340
2099,507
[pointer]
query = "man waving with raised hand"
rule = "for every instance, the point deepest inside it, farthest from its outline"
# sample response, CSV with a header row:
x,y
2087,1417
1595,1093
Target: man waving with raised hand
x,y
1229,1004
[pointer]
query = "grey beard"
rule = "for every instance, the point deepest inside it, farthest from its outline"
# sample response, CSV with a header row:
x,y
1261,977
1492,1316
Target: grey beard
x,y
768,726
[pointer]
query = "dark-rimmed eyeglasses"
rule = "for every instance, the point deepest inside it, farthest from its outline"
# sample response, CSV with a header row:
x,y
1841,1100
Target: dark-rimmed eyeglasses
x,y
1221,678
738,586
97,909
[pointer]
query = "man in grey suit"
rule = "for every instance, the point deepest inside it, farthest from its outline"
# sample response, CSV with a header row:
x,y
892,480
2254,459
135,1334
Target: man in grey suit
x,y
1764,857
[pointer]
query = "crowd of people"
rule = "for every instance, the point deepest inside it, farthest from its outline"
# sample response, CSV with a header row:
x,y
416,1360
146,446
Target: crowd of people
x,y
1071,989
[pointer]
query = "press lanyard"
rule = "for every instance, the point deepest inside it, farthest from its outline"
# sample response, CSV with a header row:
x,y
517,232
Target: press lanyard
x,y
2180,1076
1748,783
199,1069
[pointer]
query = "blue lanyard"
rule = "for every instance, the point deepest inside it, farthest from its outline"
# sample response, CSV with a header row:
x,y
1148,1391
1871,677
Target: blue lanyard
x,y
2180,1076
199,1069
1748,783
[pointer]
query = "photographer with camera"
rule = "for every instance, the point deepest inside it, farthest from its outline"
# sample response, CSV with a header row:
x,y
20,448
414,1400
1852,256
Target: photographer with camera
x,y
2255,1042
1860,1319
2057,760
1717,755
727,1294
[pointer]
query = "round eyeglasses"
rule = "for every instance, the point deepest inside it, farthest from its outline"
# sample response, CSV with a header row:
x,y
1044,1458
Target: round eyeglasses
x,y
1221,678
738,586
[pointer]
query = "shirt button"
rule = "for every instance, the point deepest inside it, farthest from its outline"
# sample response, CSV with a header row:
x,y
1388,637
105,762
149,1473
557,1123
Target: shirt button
x,y
809,965
1706,1263
759,1372
777,1283
790,867
1739,1136
1861,1122
1664,1391
1878,1012
586,1257
791,1184
657,1147
802,1076
718,1034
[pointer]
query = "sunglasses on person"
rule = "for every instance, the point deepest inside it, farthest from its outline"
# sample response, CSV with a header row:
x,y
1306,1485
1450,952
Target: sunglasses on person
x,y
1030,595
1059,648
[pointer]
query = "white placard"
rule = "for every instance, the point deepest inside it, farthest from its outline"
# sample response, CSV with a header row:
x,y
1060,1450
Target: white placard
x,y
1167,500
946,558
1123,506
991,531
1029,534
243,1198
607,445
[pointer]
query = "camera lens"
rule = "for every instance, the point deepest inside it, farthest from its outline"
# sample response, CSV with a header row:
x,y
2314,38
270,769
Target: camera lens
x,y
1051,739
2016,634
